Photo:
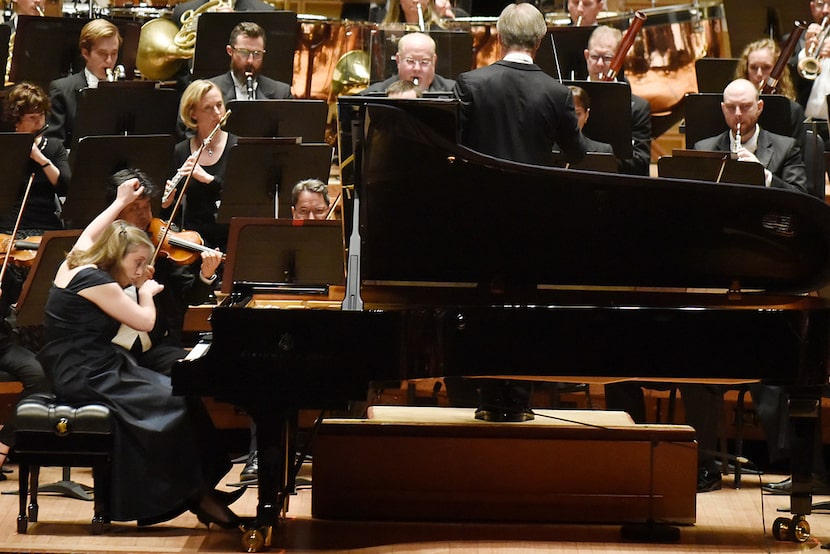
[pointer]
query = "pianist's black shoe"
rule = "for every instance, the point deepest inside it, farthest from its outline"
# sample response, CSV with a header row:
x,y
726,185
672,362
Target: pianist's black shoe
x,y
251,469
708,479
818,485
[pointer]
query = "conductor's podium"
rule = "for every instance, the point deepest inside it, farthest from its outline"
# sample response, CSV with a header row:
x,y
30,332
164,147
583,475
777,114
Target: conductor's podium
x,y
441,464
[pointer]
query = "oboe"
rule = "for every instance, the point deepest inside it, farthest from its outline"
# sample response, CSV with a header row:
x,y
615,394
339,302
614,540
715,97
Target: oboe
x,y
737,144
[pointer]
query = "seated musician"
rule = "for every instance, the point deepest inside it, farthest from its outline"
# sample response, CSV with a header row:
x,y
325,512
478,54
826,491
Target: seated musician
x,y
780,155
201,108
602,47
404,89
23,7
309,200
184,285
406,11
416,59
99,43
756,63
584,12
812,93
246,49
26,108
582,107
164,459
512,109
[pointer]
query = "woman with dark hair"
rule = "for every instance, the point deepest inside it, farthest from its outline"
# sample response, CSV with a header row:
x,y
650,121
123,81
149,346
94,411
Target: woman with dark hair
x,y
27,106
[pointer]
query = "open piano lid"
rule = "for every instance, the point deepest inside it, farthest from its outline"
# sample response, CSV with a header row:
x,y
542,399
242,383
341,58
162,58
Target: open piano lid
x,y
434,211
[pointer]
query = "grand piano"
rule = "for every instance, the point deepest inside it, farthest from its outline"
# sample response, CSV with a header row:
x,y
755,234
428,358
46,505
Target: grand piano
x,y
465,265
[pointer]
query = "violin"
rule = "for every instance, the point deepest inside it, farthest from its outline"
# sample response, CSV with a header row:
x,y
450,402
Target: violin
x,y
23,251
180,247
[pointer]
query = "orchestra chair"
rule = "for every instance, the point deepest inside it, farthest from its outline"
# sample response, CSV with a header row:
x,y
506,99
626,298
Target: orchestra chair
x,y
52,434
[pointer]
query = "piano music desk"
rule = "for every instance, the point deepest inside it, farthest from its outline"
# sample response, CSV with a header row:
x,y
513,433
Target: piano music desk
x,y
441,464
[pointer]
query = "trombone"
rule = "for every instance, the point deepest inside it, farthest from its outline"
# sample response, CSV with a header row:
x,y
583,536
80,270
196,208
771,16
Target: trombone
x,y
810,67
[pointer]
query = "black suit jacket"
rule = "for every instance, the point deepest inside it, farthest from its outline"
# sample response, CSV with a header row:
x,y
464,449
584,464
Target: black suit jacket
x,y
63,96
780,154
266,88
439,84
516,111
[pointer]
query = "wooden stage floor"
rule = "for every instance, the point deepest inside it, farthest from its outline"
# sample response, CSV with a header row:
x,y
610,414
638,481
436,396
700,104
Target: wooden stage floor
x,y
727,521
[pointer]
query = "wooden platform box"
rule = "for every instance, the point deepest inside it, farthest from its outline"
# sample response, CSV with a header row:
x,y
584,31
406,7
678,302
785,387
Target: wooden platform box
x,y
441,464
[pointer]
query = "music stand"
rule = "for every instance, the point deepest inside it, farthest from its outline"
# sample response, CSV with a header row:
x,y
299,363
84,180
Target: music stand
x,y
610,120
452,47
568,44
713,74
705,165
94,159
46,48
592,161
278,118
125,110
262,170
268,250
704,117
14,159
214,29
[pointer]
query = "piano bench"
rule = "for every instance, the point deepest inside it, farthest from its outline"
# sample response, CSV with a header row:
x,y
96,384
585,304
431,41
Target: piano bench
x,y
52,434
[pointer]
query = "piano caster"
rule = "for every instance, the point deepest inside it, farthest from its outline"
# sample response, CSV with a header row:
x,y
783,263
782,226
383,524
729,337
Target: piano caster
x,y
796,529
256,539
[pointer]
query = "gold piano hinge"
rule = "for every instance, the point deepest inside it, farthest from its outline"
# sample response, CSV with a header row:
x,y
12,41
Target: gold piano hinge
x,y
734,291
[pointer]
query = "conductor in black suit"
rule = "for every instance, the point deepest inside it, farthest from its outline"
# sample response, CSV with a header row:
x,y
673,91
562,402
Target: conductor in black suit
x,y
512,109
99,43
246,49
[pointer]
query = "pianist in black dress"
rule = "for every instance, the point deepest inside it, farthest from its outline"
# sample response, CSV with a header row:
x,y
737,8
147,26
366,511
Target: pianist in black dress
x,y
163,462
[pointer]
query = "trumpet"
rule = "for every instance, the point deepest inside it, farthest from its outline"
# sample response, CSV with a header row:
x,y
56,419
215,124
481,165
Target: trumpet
x,y
116,73
810,67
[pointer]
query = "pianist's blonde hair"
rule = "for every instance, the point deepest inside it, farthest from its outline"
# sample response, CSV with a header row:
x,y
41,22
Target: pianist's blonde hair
x,y
117,240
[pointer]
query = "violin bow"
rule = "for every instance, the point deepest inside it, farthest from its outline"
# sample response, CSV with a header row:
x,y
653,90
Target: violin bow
x,y
330,215
166,227
13,236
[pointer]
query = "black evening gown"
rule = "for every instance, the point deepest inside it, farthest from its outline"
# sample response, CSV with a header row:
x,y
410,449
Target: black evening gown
x,y
159,460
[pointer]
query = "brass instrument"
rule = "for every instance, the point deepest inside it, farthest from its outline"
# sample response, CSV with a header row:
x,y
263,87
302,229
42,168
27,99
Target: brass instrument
x,y
351,73
810,67
116,73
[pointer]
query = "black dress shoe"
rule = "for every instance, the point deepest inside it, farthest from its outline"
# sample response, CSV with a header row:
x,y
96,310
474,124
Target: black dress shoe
x,y
708,480
817,486
251,469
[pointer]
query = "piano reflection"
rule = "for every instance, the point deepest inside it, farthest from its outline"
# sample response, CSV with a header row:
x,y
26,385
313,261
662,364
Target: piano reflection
x,y
474,266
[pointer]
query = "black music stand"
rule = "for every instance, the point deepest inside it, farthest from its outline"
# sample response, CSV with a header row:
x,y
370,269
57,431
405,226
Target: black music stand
x,y
713,74
704,117
214,29
96,158
262,170
452,47
281,251
705,165
46,48
567,45
592,161
14,159
125,110
610,120
278,118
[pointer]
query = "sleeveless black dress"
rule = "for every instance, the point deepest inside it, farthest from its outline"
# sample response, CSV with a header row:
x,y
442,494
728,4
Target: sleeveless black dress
x,y
159,460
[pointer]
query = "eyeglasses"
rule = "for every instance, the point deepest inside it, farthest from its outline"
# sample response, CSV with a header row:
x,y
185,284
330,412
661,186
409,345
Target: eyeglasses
x,y
245,53
596,58
413,62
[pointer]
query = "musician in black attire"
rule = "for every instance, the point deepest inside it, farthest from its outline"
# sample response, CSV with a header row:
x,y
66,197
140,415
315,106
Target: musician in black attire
x,y
26,108
184,285
415,59
812,93
512,109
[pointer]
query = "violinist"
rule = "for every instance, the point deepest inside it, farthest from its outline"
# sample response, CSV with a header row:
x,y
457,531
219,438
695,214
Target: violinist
x,y
201,109
183,285
27,107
